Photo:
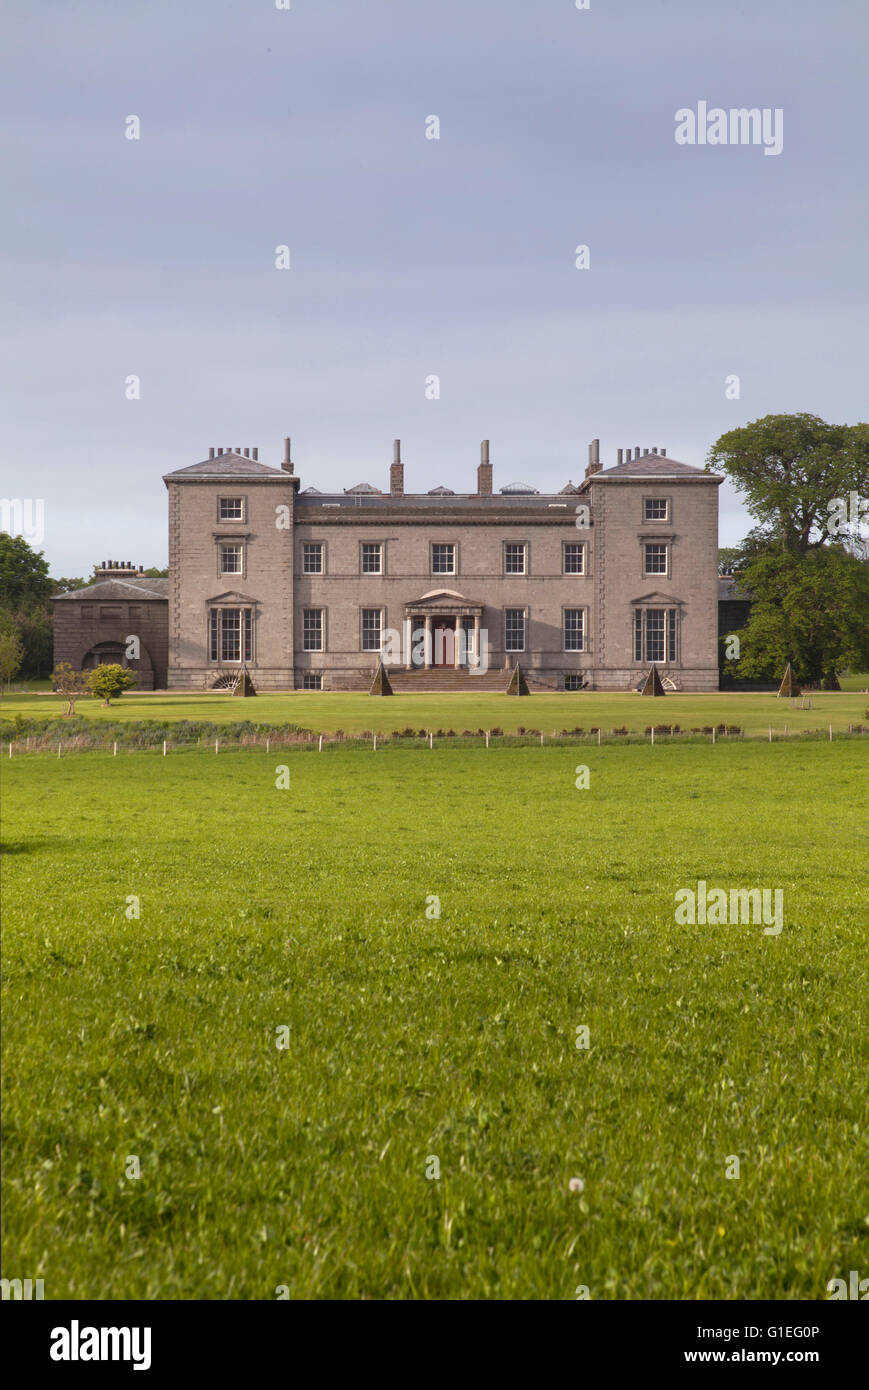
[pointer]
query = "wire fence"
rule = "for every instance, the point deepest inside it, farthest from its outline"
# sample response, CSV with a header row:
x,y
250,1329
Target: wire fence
x,y
218,739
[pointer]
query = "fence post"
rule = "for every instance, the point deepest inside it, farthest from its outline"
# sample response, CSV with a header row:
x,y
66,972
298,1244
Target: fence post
x,y
541,741
713,733
831,740
653,734
374,750
115,751
268,742
487,738
164,748
58,750
598,738
10,750
430,739
216,741
320,748
770,733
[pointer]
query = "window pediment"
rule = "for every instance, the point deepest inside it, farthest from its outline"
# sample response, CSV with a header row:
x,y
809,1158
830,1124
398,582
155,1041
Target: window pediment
x,y
658,600
231,596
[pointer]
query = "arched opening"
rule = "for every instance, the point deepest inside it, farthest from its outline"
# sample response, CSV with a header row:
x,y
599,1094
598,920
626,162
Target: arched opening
x,y
115,653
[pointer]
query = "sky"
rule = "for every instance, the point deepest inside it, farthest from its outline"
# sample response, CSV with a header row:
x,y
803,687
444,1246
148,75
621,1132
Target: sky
x,y
413,257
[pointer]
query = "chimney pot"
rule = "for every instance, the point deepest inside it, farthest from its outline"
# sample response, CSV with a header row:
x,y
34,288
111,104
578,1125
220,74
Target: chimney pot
x,y
636,451
663,453
287,464
654,451
620,455
211,453
255,452
247,453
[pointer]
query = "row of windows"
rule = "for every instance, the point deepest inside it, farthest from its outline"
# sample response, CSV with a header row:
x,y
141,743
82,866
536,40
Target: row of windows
x,y
233,509
655,632
372,624
443,557
117,610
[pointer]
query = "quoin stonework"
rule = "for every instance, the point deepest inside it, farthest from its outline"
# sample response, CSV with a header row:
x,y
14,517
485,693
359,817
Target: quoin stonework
x,y
584,588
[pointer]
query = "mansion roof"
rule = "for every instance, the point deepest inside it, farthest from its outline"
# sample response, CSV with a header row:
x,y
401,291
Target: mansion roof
x,y
127,589
231,466
650,466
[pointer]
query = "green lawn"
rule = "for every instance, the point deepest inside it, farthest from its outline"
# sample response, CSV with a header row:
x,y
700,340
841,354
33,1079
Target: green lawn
x,y
325,711
412,1037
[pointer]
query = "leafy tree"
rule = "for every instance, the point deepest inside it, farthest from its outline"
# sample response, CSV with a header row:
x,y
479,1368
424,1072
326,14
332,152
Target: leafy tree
x,y
729,557
11,652
23,572
32,623
156,574
68,586
811,610
790,469
110,681
69,683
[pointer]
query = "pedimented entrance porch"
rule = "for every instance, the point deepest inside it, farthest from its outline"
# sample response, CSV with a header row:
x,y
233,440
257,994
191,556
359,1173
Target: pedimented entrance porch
x,y
442,630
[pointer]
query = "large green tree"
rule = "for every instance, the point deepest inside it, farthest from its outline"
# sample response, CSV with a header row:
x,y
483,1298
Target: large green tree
x,y
811,610
789,470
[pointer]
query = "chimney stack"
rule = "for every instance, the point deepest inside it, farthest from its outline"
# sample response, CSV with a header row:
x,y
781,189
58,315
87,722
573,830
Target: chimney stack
x,y
594,463
620,455
287,464
396,471
484,472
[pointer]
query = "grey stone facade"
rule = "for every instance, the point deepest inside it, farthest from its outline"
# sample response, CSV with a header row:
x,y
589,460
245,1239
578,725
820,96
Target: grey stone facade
x,y
304,586
94,625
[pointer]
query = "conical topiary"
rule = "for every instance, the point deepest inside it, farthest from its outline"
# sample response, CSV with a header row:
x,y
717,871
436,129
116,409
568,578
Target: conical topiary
x,y
789,686
518,684
652,684
244,685
380,685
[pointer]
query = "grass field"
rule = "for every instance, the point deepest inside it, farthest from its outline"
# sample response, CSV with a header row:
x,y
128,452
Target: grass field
x,y
413,1037
326,712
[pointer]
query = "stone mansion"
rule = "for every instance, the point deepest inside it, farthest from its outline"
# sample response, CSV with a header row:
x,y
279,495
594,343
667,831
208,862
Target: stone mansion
x,y
584,588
